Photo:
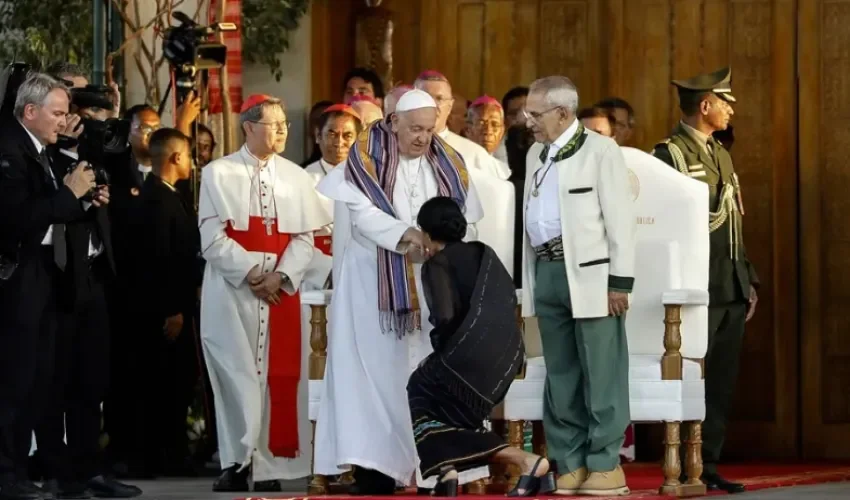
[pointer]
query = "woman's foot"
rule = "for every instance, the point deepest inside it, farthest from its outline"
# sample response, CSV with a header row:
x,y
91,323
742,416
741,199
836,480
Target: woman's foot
x,y
535,479
446,483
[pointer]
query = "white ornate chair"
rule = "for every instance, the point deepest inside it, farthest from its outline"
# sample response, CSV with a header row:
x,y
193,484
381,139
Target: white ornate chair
x,y
496,228
671,288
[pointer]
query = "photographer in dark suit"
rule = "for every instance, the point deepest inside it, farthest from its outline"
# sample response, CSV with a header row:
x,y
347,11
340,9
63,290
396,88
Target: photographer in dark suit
x,y
36,203
83,343
164,228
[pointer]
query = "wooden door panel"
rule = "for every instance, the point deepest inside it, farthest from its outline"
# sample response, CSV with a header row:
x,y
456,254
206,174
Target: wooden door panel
x,y
824,72
633,49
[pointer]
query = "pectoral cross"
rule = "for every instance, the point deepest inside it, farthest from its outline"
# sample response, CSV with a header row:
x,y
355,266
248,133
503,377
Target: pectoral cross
x,y
268,222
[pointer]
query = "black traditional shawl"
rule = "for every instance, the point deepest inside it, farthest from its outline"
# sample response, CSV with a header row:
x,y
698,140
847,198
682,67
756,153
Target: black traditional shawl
x,y
478,344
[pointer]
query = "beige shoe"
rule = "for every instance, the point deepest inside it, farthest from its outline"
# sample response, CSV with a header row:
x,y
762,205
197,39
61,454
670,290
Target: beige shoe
x,y
602,484
568,484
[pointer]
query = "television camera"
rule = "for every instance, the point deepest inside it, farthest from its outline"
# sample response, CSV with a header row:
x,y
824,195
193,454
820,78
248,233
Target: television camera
x,y
189,51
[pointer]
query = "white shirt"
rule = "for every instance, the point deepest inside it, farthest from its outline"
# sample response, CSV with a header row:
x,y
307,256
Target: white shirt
x,y
39,147
501,152
543,212
145,170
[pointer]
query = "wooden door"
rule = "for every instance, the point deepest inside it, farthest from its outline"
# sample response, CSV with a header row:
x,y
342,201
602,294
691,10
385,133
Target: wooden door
x,y
632,49
824,73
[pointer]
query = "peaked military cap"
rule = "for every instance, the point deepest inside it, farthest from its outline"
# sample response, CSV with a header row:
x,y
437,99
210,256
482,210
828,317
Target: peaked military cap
x,y
719,83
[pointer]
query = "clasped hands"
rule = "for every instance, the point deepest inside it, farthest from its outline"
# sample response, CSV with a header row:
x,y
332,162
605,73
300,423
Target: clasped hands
x,y
265,286
416,245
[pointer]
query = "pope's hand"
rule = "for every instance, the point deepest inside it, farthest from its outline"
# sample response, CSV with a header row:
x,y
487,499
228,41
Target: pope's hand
x,y
412,238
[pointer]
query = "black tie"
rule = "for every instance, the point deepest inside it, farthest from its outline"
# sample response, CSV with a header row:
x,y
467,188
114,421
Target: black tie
x,y
60,251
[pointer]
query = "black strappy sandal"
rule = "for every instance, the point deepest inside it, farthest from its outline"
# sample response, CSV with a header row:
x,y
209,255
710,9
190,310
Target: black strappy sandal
x,y
533,485
445,487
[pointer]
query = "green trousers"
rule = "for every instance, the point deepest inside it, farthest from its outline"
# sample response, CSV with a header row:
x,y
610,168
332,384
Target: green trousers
x,y
586,398
725,336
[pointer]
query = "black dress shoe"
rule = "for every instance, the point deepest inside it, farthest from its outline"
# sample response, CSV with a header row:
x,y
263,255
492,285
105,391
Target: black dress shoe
x,y
232,481
104,487
369,482
267,486
69,490
716,483
21,491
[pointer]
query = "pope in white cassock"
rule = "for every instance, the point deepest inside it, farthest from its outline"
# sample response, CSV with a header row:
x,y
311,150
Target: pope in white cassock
x,y
257,215
379,328
475,156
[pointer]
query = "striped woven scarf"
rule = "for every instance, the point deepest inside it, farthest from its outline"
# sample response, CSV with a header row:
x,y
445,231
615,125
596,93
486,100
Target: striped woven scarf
x,y
372,166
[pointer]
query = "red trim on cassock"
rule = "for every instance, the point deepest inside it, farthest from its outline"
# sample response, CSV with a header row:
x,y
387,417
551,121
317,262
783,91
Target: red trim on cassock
x,y
284,343
323,243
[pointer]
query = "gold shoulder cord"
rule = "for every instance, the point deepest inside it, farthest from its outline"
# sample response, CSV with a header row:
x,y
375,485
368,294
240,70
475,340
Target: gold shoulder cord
x,y
726,205
678,157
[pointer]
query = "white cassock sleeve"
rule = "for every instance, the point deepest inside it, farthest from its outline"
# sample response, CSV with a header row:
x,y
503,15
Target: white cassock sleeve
x,y
296,260
226,256
474,212
373,223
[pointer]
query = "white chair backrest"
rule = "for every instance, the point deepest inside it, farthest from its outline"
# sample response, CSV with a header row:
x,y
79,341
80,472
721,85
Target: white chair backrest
x,y
496,228
672,252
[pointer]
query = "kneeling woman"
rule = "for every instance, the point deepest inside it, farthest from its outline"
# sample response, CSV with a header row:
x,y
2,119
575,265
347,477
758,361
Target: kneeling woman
x,y
478,350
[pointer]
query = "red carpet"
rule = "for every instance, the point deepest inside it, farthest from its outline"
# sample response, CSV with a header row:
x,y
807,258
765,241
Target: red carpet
x,y
644,480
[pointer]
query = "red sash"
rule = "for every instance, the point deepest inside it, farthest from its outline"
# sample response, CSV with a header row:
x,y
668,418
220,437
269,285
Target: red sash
x,y
323,243
284,338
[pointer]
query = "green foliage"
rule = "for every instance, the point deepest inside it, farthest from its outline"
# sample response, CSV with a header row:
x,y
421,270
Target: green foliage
x,y
266,26
40,32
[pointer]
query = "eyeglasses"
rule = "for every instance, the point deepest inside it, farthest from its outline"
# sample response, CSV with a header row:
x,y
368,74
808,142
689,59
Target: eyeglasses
x,y
531,115
148,129
277,126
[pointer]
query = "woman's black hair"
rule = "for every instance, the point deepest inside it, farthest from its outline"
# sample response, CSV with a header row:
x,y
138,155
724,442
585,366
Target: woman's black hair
x,y
442,219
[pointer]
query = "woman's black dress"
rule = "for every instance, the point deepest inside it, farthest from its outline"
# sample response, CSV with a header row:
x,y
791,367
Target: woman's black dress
x,y
477,352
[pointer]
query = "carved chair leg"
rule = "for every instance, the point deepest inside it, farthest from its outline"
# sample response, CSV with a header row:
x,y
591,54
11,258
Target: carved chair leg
x,y
478,487
319,485
671,466
515,439
538,438
693,457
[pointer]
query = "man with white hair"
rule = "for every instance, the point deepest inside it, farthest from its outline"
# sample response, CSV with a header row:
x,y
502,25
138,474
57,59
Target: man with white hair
x,y
257,215
439,88
577,275
367,108
392,98
379,328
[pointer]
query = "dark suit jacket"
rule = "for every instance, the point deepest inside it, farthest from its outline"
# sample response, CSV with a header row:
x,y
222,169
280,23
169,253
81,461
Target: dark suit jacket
x,y
29,204
77,237
165,232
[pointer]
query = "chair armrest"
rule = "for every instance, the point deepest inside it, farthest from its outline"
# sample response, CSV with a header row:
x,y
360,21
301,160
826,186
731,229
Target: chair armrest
x,y
316,297
685,297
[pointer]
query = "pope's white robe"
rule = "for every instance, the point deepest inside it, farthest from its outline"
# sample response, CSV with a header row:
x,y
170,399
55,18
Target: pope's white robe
x,y
364,417
234,323
475,156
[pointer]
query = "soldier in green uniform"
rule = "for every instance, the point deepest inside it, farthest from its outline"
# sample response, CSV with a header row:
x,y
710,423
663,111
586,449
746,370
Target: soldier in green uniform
x,y
706,104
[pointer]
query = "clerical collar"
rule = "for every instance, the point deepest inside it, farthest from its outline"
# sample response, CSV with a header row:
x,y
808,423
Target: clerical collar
x,y
39,147
701,138
260,162
145,169
325,166
563,139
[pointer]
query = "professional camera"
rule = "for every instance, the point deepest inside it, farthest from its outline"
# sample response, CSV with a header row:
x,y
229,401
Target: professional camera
x,y
189,50
100,138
